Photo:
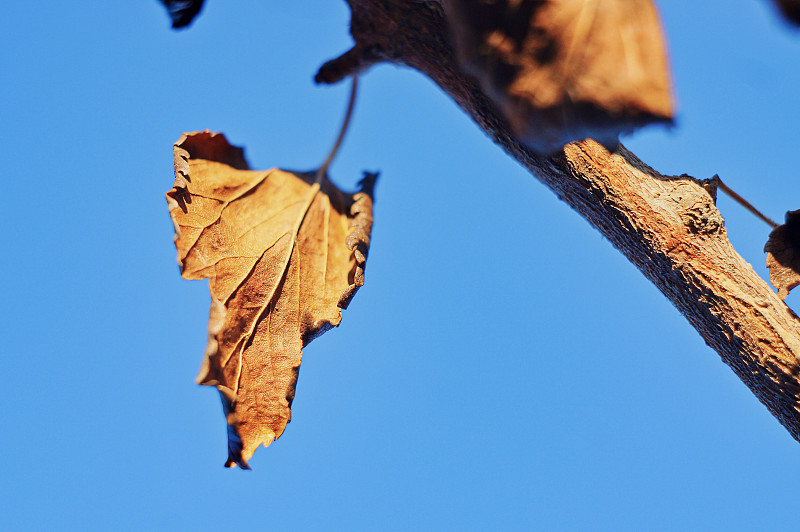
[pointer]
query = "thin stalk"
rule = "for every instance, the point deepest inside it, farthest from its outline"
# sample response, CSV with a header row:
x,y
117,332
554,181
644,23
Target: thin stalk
x,y
744,203
324,168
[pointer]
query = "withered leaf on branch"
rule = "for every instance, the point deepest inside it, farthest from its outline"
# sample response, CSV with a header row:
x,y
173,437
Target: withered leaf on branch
x,y
284,252
783,254
182,12
565,70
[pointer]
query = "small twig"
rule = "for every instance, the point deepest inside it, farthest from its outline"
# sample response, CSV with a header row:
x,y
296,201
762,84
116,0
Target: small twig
x,y
324,168
355,61
744,203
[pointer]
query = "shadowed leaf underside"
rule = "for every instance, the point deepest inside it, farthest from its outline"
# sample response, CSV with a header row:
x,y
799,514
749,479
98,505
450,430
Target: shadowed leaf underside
x,y
565,70
783,254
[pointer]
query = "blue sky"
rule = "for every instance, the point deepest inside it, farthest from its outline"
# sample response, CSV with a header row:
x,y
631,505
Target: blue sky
x,y
503,368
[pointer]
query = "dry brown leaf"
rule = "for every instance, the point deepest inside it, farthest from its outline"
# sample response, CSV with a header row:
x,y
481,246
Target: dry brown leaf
x,y
182,12
565,70
783,254
284,253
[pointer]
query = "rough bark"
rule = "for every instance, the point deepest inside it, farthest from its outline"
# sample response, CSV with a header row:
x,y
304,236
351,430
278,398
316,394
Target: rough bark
x,y
668,226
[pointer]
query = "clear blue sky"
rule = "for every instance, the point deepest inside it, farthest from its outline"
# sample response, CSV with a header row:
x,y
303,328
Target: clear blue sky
x,y
504,368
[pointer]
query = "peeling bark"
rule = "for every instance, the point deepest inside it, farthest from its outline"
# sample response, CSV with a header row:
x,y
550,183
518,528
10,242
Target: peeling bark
x,y
668,226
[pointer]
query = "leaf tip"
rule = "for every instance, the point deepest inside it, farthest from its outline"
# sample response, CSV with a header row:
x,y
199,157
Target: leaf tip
x,y
235,445
207,145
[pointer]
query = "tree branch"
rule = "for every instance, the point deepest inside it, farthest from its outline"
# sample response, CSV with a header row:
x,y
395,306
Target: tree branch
x,y
668,226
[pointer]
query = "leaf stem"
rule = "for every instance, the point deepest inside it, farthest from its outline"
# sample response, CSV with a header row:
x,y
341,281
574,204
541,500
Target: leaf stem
x,y
353,90
744,203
